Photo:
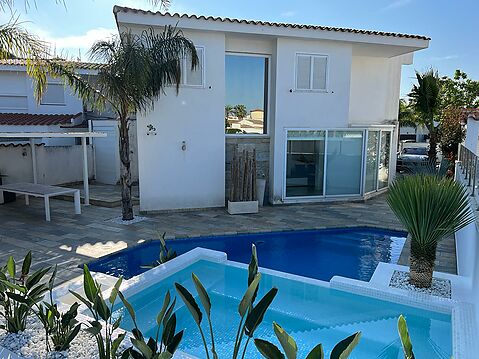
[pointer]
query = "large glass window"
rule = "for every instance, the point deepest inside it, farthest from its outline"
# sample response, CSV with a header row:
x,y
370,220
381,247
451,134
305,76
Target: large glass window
x,y
246,85
372,157
344,162
305,163
383,173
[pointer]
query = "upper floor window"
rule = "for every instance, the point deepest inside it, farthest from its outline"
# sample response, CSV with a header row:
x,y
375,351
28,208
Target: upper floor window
x,y
54,95
311,72
193,77
246,87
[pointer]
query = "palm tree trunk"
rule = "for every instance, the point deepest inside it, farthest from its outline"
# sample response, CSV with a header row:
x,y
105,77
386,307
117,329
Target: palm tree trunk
x,y
125,172
421,267
432,153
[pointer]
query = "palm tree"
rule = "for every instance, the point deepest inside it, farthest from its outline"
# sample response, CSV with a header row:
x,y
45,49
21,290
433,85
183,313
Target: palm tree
x,y
240,111
137,68
430,208
425,100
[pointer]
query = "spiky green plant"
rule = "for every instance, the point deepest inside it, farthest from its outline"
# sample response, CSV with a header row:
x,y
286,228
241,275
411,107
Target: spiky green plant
x,y
430,208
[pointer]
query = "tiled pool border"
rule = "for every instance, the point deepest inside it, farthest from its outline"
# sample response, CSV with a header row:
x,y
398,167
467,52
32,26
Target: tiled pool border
x,y
464,329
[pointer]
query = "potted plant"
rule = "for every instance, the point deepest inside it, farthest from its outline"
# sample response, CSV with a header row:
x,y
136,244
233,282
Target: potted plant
x,y
430,207
242,198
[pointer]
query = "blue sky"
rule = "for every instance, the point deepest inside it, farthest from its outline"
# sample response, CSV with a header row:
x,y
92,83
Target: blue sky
x,y
450,24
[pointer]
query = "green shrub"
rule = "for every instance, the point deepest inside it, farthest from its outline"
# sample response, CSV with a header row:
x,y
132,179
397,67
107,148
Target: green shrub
x,y
19,293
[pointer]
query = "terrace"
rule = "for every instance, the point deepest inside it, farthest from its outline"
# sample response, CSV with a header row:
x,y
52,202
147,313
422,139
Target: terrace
x,y
70,241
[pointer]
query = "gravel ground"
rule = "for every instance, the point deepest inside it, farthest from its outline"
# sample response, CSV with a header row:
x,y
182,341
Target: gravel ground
x,y
439,288
118,220
31,344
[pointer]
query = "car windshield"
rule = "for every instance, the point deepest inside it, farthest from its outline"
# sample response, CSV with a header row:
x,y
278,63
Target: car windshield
x,y
415,151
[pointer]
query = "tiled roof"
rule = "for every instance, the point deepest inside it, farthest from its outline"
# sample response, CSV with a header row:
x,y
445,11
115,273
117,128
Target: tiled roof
x,y
27,119
76,64
117,9
472,112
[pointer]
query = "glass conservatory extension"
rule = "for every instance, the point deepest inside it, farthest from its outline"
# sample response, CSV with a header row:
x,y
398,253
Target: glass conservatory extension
x,y
350,162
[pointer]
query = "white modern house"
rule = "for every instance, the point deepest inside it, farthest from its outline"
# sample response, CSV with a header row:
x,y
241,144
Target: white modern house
x,y
329,98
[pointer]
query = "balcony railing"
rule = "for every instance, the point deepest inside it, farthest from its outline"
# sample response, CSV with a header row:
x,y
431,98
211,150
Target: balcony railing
x,y
468,166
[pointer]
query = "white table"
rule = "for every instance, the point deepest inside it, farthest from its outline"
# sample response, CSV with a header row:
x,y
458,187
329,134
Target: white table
x,y
45,191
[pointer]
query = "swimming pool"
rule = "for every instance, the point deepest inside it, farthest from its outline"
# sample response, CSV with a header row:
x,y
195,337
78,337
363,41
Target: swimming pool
x,y
310,311
319,254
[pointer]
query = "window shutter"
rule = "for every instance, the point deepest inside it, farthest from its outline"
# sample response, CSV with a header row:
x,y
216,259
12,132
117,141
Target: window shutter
x,y
303,72
54,95
319,72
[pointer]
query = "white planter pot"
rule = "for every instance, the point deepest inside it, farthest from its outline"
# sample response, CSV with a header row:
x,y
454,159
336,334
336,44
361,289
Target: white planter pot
x,y
260,189
244,207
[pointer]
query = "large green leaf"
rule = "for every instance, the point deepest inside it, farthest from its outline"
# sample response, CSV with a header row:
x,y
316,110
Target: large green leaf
x,y
287,342
202,293
89,285
11,267
166,303
343,349
190,303
115,290
142,348
128,306
256,315
405,339
27,262
247,300
316,353
174,342
268,350
36,277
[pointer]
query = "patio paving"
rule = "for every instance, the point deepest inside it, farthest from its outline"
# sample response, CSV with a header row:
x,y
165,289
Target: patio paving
x,y
70,240
103,195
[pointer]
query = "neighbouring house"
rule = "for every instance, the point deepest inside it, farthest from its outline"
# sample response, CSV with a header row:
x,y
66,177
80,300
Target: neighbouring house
x,y
416,134
472,130
323,100
59,110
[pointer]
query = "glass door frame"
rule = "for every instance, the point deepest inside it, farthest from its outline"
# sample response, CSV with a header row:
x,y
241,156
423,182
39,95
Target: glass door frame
x,y
365,133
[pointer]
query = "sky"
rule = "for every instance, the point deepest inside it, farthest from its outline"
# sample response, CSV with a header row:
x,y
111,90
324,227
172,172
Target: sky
x,y
73,26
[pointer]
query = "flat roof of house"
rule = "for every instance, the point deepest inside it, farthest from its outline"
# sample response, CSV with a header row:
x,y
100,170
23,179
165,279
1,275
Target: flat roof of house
x,y
28,119
122,9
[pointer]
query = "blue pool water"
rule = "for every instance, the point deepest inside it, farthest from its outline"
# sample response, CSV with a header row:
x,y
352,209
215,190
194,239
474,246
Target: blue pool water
x,y
311,314
319,254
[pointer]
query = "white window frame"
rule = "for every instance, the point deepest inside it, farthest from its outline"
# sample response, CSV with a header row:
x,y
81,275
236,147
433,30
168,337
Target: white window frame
x,y
184,77
312,56
42,102
268,94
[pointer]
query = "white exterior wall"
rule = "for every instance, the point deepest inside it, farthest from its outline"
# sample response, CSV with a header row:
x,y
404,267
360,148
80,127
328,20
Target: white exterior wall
x,y
16,82
169,177
472,135
16,164
375,86
107,157
302,109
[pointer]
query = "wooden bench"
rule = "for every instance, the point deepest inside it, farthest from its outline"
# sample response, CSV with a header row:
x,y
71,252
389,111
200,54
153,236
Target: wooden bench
x,y
45,191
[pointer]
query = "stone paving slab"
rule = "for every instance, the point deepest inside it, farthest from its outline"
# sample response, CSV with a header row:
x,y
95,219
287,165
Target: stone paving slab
x,y
71,240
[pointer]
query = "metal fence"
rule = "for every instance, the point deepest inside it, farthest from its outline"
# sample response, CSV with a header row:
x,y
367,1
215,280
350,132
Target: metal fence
x,y
469,161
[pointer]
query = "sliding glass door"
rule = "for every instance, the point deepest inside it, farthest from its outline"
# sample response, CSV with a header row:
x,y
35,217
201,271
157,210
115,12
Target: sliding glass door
x,y
305,163
332,163
344,163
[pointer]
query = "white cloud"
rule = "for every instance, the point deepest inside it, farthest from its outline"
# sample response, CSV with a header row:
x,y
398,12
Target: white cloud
x,y
397,4
289,13
444,58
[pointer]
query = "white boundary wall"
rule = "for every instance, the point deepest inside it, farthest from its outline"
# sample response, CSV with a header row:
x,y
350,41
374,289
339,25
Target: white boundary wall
x,y
55,164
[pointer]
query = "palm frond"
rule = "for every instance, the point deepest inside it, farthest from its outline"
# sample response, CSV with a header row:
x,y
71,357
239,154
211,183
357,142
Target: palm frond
x,y
430,208
425,96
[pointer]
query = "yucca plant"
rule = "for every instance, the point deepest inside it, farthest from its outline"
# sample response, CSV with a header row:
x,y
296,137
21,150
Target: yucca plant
x,y
430,208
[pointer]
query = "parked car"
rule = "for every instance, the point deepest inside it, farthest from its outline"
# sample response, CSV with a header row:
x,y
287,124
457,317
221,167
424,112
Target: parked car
x,y
411,157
